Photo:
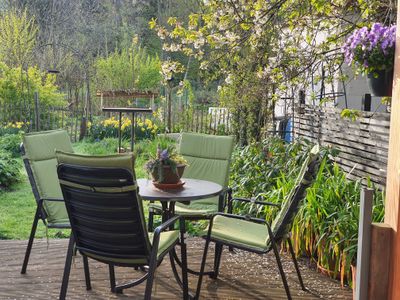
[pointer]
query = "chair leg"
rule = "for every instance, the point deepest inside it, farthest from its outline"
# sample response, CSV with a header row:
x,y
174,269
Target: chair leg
x,y
217,260
112,277
279,263
87,272
185,285
203,264
67,268
151,221
296,265
30,242
150,278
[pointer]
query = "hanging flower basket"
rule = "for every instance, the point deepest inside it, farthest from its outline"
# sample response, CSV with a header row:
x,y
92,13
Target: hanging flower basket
x,y
381,83
370,51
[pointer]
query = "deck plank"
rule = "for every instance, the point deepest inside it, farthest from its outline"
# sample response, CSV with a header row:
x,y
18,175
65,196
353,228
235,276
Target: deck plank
x,y
242,276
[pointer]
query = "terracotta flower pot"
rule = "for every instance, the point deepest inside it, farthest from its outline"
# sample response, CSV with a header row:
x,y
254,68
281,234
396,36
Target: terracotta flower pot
x,y
169,176
381,86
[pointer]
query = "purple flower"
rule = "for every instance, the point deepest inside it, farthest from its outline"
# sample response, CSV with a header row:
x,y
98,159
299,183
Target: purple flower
x,y
164,155
371,49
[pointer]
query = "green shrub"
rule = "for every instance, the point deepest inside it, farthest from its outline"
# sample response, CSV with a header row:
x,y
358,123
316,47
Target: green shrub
x,y
9,170
260,167
11,143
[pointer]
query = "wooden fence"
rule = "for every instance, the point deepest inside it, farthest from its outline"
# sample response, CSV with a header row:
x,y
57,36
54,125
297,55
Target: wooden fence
x,y
363,143
38,116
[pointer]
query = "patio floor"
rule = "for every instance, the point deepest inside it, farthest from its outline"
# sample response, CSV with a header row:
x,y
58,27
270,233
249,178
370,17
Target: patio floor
x,y
260,281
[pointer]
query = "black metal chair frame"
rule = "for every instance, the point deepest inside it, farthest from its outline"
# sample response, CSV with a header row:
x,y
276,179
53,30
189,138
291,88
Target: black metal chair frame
x,y
273,246
225,199
39,214
153,260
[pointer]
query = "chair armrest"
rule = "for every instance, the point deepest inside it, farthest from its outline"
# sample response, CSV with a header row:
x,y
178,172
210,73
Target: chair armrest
x,y
163,227
255,201
247,218
52,199
41,200
166,225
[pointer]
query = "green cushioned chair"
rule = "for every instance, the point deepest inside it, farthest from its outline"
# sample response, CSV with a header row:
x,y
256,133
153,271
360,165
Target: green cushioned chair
x,y
257,235
107,221
40,162
209,158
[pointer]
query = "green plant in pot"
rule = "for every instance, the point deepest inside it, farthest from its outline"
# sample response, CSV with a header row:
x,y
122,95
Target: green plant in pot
x,y
370,51
167,166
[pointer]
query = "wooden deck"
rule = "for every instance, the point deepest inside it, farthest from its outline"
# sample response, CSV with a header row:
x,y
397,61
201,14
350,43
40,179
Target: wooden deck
x,y
260,281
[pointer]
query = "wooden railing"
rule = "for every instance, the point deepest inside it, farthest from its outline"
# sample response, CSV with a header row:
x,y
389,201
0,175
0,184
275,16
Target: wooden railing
x,y
363,143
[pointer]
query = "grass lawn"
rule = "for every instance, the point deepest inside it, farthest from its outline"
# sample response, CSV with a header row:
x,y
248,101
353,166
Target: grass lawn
x,y
17,206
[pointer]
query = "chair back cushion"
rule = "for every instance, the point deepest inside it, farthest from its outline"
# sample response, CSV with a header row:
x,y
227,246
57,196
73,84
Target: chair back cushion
x,y
209,158
282,223
41,159
104,207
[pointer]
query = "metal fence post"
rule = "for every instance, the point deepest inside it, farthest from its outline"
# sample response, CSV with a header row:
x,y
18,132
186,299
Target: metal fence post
x,y
37,112
364,243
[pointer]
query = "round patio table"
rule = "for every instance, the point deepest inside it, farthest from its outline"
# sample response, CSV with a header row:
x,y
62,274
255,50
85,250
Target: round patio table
x,y
192,190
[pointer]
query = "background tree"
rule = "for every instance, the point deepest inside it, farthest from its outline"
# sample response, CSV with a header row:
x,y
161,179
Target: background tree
x,y
17,37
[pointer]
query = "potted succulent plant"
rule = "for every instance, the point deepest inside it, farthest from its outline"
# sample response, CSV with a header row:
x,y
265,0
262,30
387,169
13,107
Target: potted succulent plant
x,y
167,166
370,51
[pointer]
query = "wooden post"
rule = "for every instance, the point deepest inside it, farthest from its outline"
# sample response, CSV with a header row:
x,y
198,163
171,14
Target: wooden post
x,y
366,102
37,112
392,207
364,242
132,130
119,132
379,266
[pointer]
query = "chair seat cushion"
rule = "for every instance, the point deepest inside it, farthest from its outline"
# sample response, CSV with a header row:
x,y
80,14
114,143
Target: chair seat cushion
x,y
167,239
40,152
199,208
240,232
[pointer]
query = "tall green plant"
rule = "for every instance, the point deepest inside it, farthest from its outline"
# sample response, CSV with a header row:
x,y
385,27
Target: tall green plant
x,y
128,68
326,226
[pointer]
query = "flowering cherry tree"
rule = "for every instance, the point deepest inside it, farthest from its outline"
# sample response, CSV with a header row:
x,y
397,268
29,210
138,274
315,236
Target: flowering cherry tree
x,y
259,49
